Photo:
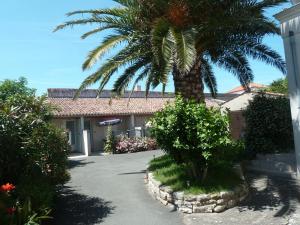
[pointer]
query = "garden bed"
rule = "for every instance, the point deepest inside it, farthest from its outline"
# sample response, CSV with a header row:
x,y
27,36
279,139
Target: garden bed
x,y
168,183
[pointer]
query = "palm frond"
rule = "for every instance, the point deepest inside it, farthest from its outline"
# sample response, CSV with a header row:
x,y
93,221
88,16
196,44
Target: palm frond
x,y
79,22
185,49
109,43
265,54
97,30
209,77
123,80
237,64
111,12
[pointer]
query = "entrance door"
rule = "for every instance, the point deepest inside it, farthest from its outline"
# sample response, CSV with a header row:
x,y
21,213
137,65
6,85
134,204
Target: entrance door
x,y
71,128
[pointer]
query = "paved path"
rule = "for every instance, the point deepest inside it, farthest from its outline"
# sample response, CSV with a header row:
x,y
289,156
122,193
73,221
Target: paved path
x,y
110,190
272,201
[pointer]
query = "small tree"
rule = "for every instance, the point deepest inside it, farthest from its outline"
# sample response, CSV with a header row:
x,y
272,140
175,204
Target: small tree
x,y
10,88
192,134
279,86
110,141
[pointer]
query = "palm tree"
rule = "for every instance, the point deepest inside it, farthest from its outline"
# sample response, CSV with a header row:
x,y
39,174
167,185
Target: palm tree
x,y
182,38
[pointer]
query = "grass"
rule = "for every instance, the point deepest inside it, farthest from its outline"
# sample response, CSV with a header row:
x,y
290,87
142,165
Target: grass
x,y
171,174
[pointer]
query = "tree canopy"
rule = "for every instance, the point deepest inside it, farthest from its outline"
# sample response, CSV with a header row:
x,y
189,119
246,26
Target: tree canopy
x,y
184,38
9,88
279,86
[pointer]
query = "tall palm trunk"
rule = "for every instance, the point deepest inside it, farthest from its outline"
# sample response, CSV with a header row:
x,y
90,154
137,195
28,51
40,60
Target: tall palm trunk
x,y
190,85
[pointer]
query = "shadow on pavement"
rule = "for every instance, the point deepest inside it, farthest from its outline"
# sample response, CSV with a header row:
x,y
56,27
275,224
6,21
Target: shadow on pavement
x,y
77,163
77,209
268,192
132,173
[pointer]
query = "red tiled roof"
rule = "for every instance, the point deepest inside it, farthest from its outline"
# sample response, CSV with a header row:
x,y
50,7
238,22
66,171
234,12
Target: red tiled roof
x,y
251,85
67,107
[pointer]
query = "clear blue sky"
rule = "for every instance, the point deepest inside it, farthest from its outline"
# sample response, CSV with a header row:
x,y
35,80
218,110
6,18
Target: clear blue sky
x,y
51,60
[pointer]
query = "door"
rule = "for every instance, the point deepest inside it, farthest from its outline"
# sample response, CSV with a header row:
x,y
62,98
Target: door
x,y
71,128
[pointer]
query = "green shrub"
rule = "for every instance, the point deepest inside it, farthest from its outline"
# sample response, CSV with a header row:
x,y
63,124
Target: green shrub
x,y
33,154
193,134
109,146
29,143
268,125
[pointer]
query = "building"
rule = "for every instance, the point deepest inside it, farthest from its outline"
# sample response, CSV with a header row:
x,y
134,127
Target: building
x,y
290,30
253,87
81,118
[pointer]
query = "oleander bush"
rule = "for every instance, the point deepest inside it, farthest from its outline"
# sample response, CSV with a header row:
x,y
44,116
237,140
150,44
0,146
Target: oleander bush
x,y
130,145
268,125
33,153
194,135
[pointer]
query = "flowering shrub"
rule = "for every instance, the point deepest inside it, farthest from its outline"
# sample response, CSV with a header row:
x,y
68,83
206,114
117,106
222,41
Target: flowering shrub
x,y
129,145
16,211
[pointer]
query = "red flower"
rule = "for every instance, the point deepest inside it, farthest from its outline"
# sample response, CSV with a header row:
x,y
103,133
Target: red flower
x,y
11,210
7,187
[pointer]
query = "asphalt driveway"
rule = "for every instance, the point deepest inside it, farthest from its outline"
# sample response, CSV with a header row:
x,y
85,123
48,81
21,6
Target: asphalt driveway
x,y
110,190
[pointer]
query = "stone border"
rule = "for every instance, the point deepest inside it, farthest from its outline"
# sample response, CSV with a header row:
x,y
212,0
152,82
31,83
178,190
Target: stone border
x,y
203,203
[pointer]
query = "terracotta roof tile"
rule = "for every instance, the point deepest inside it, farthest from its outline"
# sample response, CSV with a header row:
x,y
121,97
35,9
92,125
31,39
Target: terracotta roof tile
x,y
251,85
67,107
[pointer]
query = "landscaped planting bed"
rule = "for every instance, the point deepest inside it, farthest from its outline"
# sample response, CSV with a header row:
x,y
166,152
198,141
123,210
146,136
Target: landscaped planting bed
x,y
167,182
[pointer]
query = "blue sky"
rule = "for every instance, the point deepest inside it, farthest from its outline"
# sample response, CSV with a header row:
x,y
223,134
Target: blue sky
x,y
50,60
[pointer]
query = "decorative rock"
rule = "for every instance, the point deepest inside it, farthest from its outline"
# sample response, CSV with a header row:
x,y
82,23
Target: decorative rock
x,y
164,202
190,198
185,210
188,204
215,196
219,208
212,201
204,209
166,189
221,201
178,195
203,198
226,194
203,203
231,203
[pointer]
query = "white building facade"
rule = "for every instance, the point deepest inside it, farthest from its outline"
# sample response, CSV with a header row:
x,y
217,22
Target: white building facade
x,y
290,31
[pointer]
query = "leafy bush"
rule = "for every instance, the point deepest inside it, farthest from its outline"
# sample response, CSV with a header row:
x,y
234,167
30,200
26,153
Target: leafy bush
x,y
130,145
29,143
33,153
279,86
268,125
192,134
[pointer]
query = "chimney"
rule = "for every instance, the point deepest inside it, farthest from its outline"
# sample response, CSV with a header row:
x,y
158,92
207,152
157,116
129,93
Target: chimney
x,y
138,88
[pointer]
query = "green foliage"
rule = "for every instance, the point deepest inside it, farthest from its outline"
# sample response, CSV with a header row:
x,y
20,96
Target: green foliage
x,y
193,134
29,143
167,171
279,86
33,152
158,38
268,125
109,146
20,211
10,88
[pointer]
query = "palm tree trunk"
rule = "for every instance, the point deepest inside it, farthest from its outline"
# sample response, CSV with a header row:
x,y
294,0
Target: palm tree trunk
x,y
190,85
